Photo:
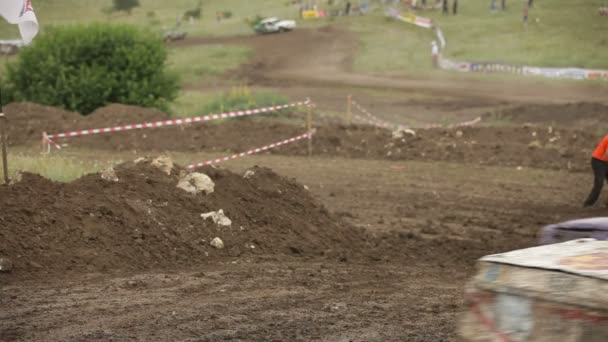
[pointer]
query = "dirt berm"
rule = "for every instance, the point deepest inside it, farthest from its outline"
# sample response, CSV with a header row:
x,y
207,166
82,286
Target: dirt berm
x,y
540,144
143,221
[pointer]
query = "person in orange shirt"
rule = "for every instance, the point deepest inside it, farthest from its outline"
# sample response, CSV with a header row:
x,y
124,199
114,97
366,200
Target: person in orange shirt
x,y
599,164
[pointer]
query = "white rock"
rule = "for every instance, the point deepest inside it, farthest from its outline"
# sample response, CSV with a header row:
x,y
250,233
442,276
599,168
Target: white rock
x,y
163,163
400,132
459,134
217,243
195,183
218,218
139,160
109,175
17,178
5,265
249,174
535,144
550,130
519,168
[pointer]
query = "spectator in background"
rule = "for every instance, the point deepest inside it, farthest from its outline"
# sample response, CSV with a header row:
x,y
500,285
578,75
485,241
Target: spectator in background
x,y
347,12
435,53
363,6
455,7
503,5
530,2
525,14
445,7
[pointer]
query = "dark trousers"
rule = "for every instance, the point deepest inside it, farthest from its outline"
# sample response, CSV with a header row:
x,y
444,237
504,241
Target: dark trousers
x,y
600,173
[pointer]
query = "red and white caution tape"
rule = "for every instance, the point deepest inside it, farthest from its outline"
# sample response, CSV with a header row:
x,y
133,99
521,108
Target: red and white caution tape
x,y
374,120
253,151
175,122
51,142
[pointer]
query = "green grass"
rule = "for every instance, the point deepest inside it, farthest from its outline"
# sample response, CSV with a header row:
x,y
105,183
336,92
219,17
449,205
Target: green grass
x,y
57,167
569,33
196,63
189,103
157,15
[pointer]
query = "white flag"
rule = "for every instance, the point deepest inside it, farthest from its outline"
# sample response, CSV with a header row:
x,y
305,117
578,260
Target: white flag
x,y
20,12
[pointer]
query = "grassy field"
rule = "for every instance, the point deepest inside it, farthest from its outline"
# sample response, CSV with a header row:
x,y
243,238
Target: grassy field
x,y
562,33
158,15
196,63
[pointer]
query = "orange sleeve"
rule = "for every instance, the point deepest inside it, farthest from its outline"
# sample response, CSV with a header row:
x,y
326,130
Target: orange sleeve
x,y
600,151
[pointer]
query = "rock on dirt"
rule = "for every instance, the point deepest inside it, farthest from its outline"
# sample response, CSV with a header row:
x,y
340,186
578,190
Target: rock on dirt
x,y
163,163
218,217
195,183
109,175
248,174
16,178
535,144
217,243
6,265
401,132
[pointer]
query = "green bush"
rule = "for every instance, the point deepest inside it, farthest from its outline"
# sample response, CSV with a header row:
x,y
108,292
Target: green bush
x,y
125,5
82,68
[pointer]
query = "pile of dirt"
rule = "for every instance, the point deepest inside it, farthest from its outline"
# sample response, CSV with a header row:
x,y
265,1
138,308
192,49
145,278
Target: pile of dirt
x,y
582,115
525,146
540,145
143,221
28,120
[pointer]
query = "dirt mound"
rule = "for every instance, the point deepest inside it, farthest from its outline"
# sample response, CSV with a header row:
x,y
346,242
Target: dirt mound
x,y
27,121
538,147
143,221
119,114
541,145
579,115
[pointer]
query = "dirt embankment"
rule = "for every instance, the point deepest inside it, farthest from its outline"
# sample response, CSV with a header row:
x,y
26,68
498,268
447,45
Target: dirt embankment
x,y
529,142
143,221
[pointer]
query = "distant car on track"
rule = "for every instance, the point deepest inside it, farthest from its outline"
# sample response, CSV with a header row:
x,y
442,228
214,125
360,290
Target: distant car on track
x,y
274,25
173,35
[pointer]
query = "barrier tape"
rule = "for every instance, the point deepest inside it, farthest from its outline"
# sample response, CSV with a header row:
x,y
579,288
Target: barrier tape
x,y
51,142
371,122
374,120
253,151
174,122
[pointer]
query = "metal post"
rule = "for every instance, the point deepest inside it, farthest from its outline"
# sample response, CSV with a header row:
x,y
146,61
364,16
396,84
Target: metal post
x,y
4,143
4,149
309,126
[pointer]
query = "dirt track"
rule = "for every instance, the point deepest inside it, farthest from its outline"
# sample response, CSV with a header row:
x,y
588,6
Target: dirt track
x,y
405,234
317,63
431,222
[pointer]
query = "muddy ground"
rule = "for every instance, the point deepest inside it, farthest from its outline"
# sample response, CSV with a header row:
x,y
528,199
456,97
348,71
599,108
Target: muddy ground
x,y
425,224
371,239
559,137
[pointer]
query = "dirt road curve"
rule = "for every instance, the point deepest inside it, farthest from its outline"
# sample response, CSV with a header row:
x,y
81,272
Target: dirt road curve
x,y
320,60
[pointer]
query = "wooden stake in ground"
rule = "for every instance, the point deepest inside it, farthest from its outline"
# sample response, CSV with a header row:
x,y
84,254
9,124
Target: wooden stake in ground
x,y
4,147
309,127
349,109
